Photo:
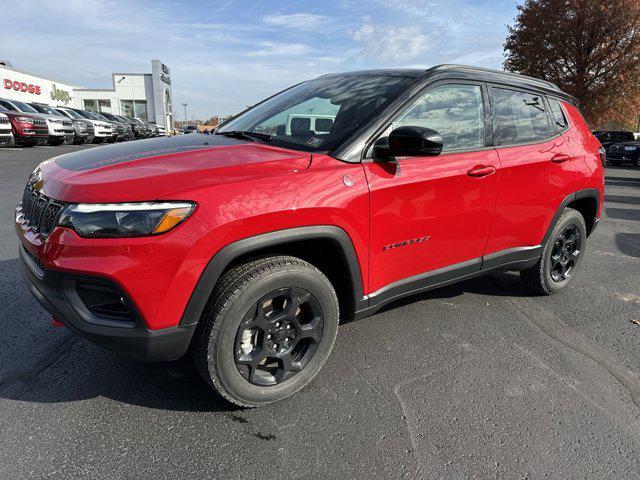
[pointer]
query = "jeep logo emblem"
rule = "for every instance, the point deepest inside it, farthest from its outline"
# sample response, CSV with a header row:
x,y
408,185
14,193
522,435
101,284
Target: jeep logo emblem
x,y
60,95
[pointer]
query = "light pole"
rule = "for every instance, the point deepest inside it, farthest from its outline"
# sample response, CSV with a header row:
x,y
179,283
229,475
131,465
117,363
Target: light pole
x,y
186,121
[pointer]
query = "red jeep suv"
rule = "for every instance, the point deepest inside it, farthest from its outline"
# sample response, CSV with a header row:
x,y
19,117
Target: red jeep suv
x,y
323,202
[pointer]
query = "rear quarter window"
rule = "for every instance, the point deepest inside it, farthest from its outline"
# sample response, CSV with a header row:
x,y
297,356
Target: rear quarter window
x,y
519,117
558,116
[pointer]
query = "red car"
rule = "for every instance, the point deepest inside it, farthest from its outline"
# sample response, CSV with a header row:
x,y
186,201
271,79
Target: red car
x,y
325,201
28,130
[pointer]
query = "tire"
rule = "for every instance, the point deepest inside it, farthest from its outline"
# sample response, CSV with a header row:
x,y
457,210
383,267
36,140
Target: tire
x,y
548,276
242,355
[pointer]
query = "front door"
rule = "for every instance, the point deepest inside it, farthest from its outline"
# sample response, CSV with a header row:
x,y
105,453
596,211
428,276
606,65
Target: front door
x,y
428,213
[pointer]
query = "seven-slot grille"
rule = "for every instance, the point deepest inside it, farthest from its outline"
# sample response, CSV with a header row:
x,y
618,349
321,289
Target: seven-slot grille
x,y
40,212
4,120
40,122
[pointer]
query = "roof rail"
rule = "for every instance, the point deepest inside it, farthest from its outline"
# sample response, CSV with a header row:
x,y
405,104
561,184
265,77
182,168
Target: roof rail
x,y
495,72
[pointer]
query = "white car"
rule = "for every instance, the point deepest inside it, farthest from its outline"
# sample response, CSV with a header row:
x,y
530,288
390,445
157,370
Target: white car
x,y
6,136
162,131
103,131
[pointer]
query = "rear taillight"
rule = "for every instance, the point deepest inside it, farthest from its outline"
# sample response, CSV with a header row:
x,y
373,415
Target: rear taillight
x,y
603,156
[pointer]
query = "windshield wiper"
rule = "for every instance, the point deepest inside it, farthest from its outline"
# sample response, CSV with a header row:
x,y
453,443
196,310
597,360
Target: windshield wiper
x,y
253,136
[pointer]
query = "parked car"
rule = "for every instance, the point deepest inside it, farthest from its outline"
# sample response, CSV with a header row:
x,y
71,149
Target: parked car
x,y
245,248
60,128
6,135
84,131
139,128
103,131
610,137
125,131
189,129
625,152
162,131
80,132
28,130
119,130
152,129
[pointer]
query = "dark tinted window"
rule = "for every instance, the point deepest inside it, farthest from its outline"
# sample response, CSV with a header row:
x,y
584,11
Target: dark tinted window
x,y
520,117
299,124
323,124
558,115
8,106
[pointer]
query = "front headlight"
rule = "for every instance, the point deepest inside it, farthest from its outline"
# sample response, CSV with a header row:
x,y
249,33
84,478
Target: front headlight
x,y
24,119
124,219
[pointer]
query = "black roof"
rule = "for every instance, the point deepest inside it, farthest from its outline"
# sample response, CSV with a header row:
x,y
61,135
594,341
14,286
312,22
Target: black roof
x,y
469,73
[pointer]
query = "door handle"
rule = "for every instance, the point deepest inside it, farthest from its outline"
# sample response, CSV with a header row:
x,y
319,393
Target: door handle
x,y
481,171
560,158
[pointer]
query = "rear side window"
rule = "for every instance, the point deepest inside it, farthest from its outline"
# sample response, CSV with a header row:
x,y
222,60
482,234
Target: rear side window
x,y
560,120
519,117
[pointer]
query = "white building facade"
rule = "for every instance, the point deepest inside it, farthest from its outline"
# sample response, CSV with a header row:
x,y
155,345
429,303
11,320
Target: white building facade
x,y
147,96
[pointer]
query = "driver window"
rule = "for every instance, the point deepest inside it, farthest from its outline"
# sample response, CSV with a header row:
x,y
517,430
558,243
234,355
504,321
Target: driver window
x,y
455,111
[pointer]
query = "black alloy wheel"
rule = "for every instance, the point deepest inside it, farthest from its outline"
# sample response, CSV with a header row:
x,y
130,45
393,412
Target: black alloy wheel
x,y
565,253
278,336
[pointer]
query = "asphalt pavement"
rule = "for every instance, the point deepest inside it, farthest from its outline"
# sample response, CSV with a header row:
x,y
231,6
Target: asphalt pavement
x,y
476,380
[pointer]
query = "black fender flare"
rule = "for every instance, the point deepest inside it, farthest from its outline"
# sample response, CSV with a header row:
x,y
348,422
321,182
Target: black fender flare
x,y
226,255
580,194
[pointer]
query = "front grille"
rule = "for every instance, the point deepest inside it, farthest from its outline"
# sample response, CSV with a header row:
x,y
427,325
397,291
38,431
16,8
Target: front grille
x,y
4,120
40,212
67,123
40,122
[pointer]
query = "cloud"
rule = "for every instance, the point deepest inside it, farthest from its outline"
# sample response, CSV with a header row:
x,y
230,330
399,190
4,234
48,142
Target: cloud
x,y
390,45
226,55
302,21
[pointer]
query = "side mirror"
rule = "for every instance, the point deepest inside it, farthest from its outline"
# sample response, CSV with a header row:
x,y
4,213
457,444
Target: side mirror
x,y
415,142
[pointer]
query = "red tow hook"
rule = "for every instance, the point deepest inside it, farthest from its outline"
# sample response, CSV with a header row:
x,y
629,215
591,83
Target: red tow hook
x,y
56,323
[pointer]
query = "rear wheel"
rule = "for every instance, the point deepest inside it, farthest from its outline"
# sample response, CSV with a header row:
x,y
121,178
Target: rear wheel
x,y
268,330
561,255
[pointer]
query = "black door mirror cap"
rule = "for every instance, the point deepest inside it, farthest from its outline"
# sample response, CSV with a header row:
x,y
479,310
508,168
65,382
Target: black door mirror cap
x,y
413,141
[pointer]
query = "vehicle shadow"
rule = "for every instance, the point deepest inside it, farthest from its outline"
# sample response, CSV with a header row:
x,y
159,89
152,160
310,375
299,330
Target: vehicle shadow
x,y
622,182
497,284
622,199
77,370
623,214
49,365
628,243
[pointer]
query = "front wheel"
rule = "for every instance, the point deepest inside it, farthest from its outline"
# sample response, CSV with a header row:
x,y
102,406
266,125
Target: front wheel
x,y
268,330
561,255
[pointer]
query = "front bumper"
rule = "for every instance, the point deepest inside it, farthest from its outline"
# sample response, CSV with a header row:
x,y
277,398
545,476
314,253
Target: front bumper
x,y
57,293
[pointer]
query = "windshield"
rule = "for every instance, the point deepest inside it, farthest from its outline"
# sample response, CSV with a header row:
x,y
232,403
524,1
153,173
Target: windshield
x,y
46,109
84,114
316,115
70,113
24,107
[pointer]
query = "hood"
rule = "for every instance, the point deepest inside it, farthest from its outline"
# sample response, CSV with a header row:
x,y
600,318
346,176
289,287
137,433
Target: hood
x,y
51,117
146,170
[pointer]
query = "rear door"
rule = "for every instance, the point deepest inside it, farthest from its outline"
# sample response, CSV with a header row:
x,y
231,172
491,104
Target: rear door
x,y
538,168
433,212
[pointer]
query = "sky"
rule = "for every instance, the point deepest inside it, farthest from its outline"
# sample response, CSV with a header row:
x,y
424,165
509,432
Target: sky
x,y
225,55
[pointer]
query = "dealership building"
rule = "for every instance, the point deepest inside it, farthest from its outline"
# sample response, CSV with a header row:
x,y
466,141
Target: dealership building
x,y
143,95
